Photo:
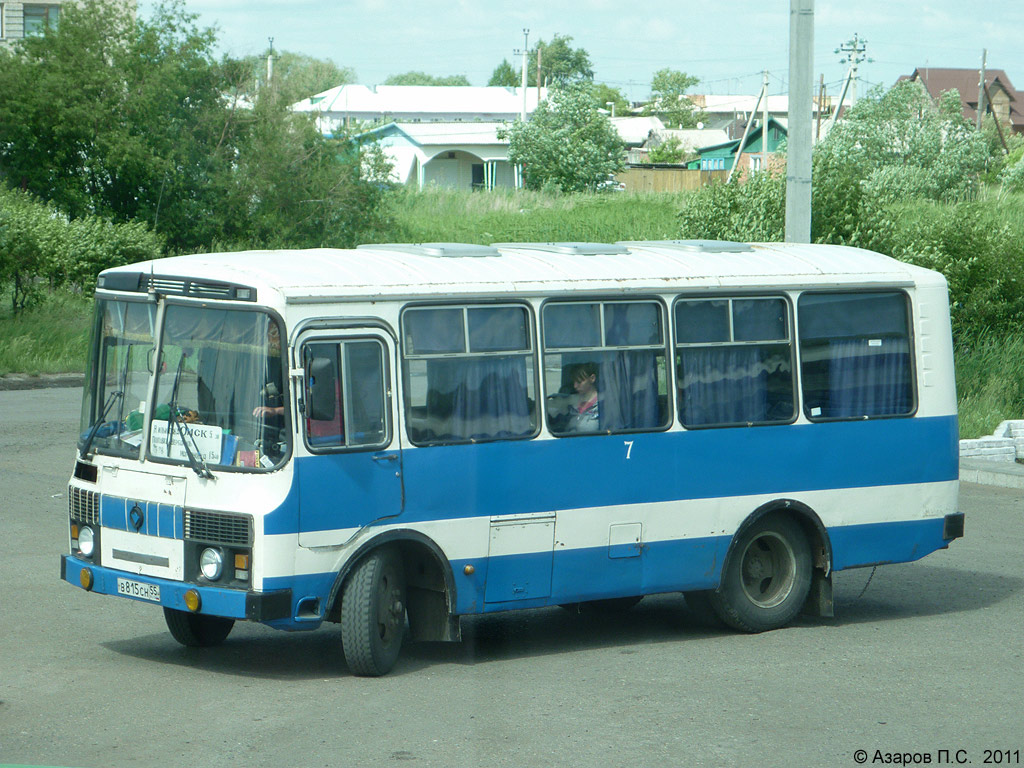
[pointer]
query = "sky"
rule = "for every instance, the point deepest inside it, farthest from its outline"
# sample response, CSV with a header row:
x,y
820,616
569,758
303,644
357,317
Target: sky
x,y
725,44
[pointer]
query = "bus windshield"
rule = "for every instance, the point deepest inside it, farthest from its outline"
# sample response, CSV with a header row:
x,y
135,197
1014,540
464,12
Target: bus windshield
x,y
117,378
220,387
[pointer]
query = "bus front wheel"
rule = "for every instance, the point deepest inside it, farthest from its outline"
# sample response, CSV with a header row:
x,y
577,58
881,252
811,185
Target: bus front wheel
x,y
196,630
373,614
767,578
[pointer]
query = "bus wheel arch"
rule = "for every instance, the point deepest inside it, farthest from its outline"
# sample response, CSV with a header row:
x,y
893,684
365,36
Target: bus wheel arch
x,y
429,584
777,565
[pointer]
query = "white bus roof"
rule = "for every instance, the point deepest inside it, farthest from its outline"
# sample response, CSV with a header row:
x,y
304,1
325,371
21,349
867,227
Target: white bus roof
x,y
450,269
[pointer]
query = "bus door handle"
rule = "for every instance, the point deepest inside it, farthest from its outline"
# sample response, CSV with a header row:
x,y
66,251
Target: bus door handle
x,y
386,457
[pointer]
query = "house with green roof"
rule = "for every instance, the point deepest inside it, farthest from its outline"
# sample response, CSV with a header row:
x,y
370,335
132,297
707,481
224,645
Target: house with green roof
x,y
722,157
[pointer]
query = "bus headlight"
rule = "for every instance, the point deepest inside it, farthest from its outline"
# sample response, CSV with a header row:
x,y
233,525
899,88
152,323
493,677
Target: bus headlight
x,y
86,541
211,563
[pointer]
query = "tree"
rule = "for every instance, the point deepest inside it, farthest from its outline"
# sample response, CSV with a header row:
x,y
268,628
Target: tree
x,y
296,75
127,119
568,144
117,117
293,188
668,100
890,148
560,63
605,93
505,75
668,151
422,78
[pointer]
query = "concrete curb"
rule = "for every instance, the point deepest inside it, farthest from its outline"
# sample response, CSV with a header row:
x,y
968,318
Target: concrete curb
x,y
14,381
1004,474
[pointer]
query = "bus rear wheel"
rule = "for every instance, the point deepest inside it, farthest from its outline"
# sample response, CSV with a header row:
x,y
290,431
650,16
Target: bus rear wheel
x,y
768,577
373,614
196,630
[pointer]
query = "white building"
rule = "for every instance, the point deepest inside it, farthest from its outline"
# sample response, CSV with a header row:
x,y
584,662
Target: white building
x,y
458,155
350,104
19,19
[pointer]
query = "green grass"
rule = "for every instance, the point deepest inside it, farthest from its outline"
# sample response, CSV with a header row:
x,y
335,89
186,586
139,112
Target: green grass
x,y
51,337
990,382
441,215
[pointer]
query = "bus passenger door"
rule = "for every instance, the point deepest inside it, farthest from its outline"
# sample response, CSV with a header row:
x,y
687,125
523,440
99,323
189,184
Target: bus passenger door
x,y
349,467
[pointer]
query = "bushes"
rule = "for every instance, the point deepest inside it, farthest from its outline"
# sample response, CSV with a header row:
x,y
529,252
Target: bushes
x,y
979,247
899,176
753,211
40,247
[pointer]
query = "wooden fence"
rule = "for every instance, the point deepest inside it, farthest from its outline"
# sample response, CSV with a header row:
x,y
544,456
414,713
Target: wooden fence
x,y
667,179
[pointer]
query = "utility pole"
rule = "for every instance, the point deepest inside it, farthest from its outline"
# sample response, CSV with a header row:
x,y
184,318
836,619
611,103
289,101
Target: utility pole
x,y
854,55
982,89
764,124
746,130
842,98
526,46
801,115
821,106
270,62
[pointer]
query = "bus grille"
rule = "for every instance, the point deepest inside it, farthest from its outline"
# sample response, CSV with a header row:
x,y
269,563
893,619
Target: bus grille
x,y
218,527
84,505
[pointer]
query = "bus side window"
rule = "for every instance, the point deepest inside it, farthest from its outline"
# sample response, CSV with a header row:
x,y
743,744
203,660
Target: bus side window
x,y
619,346
855,354
469,373
734,361
346,402
324,412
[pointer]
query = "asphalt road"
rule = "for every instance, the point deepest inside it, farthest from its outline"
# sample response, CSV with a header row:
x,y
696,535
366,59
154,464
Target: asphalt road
x,y
925,657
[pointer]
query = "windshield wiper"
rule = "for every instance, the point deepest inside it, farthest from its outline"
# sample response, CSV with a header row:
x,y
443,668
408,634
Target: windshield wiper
x,y
174,395
124,388
100,421
195,460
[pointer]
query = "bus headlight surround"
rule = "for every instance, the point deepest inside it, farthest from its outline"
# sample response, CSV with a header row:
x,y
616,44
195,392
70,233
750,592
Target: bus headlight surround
x,y
211,563
86,541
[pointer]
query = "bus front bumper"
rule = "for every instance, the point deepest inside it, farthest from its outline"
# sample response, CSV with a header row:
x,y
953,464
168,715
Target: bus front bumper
x,y
213,601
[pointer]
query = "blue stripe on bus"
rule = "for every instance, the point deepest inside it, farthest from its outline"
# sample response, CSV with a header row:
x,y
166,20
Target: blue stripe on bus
x,y
163,520
519,477
540,579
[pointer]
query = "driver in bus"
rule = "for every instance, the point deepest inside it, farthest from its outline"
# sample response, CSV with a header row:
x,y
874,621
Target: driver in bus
x,y
272,410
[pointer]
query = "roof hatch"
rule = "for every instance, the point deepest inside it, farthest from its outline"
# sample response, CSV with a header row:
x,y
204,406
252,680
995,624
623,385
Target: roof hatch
x,y
576,249
439,250
692,246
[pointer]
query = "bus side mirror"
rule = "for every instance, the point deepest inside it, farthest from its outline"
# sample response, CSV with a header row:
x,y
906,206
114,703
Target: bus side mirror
x,y
322,389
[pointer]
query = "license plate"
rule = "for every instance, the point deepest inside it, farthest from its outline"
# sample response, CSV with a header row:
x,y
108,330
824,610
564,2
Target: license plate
x,y
137,589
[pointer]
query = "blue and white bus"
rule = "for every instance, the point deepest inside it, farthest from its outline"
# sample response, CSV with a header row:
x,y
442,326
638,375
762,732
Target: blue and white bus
x,y
394,436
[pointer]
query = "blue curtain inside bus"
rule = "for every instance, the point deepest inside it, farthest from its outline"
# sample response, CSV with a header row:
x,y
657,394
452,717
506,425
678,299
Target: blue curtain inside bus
x,y
723,385
867,378
627,385
478,398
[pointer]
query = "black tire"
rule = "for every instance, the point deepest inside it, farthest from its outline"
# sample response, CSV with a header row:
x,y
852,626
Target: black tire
x,y
373,614
767,577
196,630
